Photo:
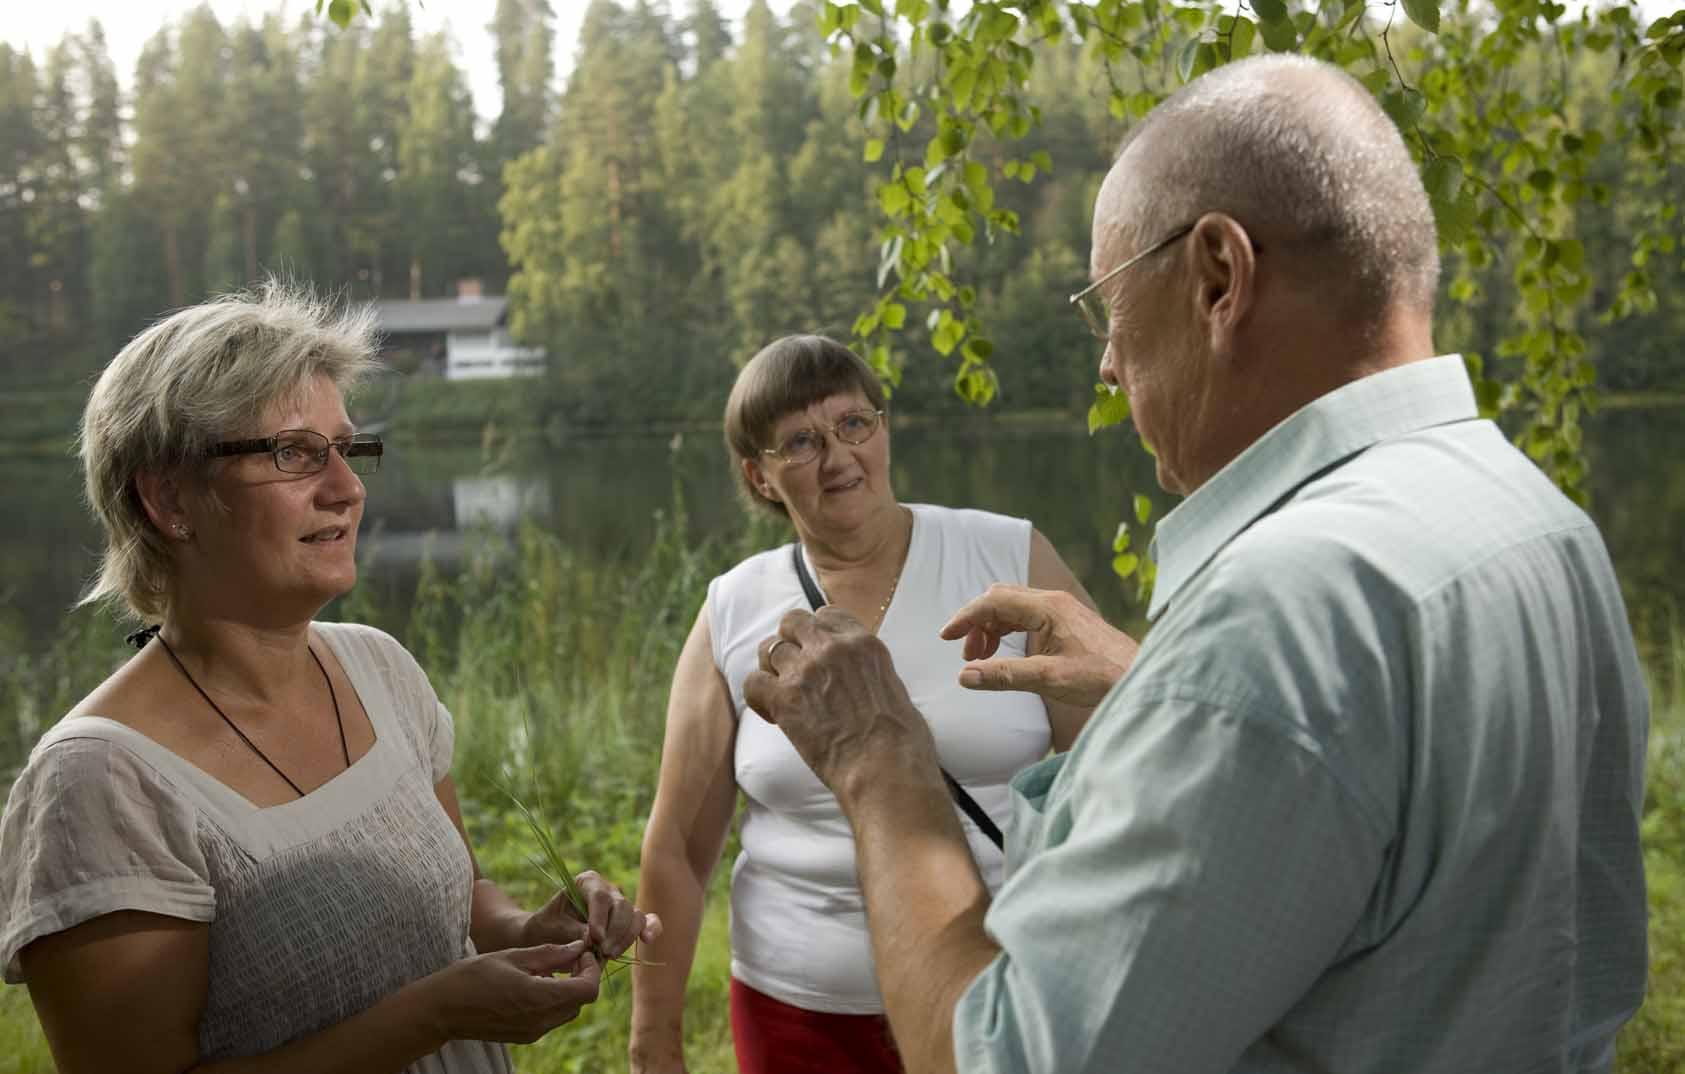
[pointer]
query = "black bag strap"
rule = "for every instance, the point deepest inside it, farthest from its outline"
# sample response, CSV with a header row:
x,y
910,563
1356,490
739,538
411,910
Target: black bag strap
x,y
962,797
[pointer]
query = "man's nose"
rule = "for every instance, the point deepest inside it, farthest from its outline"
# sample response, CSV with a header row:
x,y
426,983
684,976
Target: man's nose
x,y
1108,365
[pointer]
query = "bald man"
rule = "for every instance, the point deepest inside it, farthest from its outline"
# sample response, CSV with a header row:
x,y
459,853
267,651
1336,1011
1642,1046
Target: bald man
x,y
1367,798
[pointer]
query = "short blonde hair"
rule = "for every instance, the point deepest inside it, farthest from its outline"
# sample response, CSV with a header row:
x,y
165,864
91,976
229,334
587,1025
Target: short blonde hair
x,y
203,374
788,375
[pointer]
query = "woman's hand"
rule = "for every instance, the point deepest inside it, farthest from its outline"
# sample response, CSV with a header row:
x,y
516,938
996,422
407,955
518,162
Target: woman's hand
x,y
612,924
512,996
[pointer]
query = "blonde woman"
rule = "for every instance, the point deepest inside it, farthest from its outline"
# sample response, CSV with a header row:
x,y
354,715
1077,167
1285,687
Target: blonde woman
x,y
242,852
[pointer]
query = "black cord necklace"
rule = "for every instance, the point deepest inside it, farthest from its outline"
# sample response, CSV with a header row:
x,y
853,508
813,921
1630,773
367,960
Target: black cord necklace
x,y
346,750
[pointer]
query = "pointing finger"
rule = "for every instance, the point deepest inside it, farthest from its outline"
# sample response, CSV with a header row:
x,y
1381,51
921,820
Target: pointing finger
x,y
1002,609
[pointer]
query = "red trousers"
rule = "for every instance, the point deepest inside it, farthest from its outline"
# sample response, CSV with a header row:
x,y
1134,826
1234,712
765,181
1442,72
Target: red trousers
x,y
773,1037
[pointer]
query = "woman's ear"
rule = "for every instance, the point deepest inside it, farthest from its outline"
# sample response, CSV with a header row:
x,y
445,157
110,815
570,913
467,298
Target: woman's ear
x,y
756,477
160,495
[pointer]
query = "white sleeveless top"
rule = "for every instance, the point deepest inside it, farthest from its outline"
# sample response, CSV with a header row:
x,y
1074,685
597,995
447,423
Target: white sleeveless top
x,y
317,908
798,919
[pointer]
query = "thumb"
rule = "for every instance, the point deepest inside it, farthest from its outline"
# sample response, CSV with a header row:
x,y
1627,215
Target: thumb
x,y
546,959
758,688
1032,673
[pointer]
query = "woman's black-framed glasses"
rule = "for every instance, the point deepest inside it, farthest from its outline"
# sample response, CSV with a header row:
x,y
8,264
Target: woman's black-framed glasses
x,y
804,445
305,451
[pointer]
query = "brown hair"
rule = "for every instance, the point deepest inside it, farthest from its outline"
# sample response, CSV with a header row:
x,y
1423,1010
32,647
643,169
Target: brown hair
x,y
788,375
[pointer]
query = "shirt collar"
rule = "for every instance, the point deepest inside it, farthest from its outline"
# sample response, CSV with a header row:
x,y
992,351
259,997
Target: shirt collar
x,y
1378,407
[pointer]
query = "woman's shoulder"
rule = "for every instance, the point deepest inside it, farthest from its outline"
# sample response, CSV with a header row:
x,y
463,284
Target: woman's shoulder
x,y
972,523
370,649
751,571
361,638
88,770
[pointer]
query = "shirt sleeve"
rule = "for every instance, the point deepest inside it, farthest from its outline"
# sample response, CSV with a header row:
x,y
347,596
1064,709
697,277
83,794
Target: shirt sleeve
x,y
1203,866
91,829
427,721
438,727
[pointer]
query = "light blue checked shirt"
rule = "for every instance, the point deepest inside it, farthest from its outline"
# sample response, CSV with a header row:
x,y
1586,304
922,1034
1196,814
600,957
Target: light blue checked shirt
x,y
1368,800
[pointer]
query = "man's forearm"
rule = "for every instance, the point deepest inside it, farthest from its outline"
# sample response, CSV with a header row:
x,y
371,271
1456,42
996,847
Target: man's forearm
x,y
925,904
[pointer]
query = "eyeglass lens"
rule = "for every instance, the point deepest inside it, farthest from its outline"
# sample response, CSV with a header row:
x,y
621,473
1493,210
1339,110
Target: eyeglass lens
x,y
1094,311
301,451
854,427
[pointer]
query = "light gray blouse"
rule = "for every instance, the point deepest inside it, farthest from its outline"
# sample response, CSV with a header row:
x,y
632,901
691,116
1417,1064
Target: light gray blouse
x,y
317,908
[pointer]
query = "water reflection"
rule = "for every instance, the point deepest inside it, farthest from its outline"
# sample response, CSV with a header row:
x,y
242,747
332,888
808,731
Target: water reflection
x,y
601,496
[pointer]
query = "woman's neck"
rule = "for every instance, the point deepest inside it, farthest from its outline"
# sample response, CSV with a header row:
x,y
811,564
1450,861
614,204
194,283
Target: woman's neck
x,y
880,543
253,663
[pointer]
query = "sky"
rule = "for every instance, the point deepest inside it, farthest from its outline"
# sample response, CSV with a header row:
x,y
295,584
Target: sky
x,y
37,25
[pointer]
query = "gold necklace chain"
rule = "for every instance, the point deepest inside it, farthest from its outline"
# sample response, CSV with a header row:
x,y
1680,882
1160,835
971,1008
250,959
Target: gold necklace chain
x,y
883,609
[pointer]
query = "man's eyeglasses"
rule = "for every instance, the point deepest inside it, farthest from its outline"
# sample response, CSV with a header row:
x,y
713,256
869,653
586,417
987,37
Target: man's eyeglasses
x,y
304,451
1092,306
804,445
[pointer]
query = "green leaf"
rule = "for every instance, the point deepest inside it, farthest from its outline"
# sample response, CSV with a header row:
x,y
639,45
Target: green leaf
x,y
894,316
894,199
1405,107
1109,408
1239,41
978,349
1279,34
1443,177
1270,10
1186,58
1125,565
1143,508
1424,13
874,150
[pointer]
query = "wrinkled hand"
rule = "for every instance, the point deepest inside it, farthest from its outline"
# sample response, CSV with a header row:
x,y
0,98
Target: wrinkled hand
x,y
612,924
1079,656
831,686
512,996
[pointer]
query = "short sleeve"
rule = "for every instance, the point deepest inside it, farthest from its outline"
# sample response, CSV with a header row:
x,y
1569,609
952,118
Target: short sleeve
x,y
90,829
441,738
429,722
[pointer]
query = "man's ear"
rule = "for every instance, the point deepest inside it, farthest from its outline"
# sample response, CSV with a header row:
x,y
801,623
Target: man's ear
x,y
756,477
1225,271
160,495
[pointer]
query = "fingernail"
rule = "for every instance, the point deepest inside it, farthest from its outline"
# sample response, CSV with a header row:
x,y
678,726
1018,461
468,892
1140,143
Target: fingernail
x,y
971,677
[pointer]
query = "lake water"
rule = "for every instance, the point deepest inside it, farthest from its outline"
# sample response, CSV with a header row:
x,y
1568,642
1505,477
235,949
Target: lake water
x,y
601,496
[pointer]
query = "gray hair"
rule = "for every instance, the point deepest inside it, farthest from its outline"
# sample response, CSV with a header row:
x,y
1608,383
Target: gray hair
x,y
205,373
1298,144
787,375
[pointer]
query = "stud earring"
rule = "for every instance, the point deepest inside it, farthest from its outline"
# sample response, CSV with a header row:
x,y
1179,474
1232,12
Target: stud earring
x,y
182,532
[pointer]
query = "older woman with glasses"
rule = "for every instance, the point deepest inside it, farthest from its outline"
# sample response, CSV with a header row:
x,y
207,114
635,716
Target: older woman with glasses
x,y
809,439
243,851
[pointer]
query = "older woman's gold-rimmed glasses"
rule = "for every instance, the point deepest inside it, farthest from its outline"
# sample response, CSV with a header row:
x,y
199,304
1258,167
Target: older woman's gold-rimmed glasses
x,y
1092,306
804,445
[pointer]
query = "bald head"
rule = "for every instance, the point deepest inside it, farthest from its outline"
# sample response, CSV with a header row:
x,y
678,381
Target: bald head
x,y
1299,153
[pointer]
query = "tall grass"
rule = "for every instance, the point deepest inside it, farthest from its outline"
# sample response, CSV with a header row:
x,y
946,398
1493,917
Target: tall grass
x,y
556,670
1654,1041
